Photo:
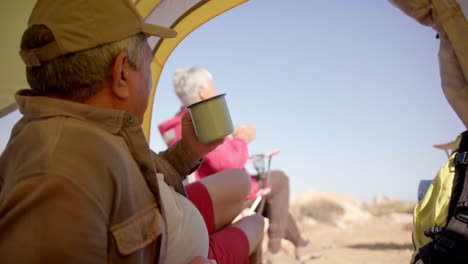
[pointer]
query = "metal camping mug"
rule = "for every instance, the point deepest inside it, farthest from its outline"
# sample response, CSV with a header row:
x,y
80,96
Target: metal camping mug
x,y
211,118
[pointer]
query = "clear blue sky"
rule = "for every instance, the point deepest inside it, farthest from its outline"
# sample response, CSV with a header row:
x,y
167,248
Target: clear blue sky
x,y
348,90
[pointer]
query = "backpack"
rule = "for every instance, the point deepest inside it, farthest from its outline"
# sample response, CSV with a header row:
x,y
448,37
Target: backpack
x,y
448,243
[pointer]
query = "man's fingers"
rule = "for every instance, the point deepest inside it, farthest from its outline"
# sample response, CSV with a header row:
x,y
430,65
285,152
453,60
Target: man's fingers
x,y
186,117
202,260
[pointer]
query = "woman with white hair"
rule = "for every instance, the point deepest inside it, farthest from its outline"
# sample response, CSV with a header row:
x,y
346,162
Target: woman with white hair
x,y
193,84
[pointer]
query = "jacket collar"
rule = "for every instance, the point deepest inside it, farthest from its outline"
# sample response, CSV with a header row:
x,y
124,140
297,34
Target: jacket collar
x,y
40,107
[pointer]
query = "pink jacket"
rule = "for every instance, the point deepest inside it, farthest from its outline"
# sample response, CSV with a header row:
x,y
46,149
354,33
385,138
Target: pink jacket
x,y
171,129
232,154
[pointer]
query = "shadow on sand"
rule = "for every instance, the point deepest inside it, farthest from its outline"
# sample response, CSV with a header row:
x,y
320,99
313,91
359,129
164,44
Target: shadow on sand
x,y
382,246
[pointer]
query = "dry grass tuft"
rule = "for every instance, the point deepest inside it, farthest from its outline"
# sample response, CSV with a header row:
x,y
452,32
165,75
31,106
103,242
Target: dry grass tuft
x,y
322,210
390,207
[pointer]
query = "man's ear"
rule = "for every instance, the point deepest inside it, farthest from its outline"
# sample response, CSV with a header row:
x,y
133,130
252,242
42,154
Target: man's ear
x,y
119,76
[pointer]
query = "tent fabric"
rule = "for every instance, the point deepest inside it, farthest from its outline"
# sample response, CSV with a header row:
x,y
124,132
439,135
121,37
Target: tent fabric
x,y
13,21
8,109
449,19
183,16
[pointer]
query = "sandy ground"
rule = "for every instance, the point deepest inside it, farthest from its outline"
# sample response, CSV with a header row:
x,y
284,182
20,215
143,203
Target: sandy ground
x,y
377,241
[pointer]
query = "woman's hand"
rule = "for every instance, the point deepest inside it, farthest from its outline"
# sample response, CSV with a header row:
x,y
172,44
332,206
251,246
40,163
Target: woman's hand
x,y
190,143
245,132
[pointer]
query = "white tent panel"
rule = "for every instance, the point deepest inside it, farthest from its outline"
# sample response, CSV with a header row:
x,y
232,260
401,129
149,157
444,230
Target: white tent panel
x,y
167,13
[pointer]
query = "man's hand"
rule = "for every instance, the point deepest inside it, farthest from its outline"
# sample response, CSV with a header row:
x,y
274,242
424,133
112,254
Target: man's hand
x,y
190,143
245,132
202,260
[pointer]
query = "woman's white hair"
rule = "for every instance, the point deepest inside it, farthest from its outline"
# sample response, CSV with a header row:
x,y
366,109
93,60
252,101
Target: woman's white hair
x,y
187,82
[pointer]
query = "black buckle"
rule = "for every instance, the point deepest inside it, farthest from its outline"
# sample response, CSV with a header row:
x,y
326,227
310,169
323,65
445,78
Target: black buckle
x,y
461,158
434,231
444,245
461,212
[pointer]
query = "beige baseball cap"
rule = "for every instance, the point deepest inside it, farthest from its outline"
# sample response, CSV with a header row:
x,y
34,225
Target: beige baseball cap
x,y
83,24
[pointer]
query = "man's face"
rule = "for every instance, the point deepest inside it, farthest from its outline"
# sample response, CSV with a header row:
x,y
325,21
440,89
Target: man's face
x,y
141,84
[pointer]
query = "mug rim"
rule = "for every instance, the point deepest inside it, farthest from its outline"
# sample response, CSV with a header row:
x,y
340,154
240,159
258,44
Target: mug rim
x,y
209,99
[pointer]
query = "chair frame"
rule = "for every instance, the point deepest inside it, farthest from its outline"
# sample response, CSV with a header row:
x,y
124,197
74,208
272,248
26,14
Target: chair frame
x,y
258,162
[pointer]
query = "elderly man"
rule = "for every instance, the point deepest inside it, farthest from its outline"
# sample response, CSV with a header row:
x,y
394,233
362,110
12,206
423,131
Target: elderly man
x,y
78,181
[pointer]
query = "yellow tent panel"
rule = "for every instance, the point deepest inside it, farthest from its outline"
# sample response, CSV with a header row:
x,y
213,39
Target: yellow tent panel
x,y
195,16
13,21
183,16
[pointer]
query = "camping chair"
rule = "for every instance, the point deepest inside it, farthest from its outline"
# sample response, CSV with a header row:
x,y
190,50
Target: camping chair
x,y
446,147
423,185
263,178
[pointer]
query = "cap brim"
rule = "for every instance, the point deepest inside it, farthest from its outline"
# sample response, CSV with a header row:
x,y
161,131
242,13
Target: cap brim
x,y
159,31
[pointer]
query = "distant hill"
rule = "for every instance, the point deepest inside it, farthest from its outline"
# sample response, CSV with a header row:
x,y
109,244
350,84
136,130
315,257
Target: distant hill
x,y
342,210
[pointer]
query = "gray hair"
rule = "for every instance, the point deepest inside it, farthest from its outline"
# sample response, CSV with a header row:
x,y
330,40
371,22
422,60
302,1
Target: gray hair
x,y
78,75
187,82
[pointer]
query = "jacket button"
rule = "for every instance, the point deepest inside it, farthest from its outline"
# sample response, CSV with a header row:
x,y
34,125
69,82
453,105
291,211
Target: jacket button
x,y
145,235
130,120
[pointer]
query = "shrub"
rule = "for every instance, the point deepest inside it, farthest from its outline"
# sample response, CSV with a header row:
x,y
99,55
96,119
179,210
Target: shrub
x,y
321,210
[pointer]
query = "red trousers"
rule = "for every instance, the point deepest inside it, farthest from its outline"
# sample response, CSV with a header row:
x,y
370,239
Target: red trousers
x,y
228,245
